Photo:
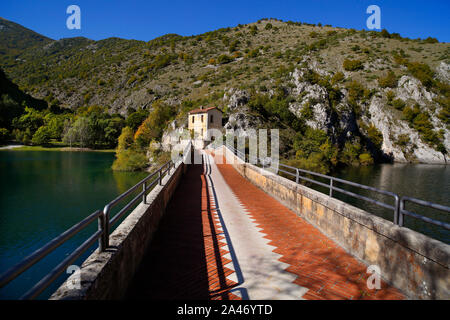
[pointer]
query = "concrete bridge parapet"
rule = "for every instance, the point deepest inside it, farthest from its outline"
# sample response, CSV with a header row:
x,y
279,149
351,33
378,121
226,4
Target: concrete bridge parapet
x,y
414,263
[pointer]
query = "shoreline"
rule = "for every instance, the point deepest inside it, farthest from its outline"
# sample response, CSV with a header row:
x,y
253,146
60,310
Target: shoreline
x,y
14,146
63,149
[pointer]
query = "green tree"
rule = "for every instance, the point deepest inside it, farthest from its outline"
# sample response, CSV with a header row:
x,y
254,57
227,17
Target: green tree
x,y
152,128
125,140
135,119
79,132
350,153
112,130
375,136
41,136
55,125
31,119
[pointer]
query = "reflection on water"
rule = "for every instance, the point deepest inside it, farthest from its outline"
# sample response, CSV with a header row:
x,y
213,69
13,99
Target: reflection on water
x,y
43,194
422,181
124,179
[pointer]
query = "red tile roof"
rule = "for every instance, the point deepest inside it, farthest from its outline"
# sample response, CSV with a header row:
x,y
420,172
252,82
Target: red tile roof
x,y
203,110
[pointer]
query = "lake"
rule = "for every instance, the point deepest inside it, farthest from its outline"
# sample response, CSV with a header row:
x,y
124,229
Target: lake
x,y
422,181
42,194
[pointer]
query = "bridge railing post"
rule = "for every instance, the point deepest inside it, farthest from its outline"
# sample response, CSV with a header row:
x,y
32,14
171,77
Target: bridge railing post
x,y
101,223
297,176
104,225
400,212
160,177
331,187
144,189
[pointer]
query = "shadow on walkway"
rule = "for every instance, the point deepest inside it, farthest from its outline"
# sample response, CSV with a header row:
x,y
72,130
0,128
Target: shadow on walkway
x,y
185,259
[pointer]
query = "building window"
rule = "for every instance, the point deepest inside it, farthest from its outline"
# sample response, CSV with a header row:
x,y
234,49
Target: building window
x,y
211,119
193,119
202,118
202,132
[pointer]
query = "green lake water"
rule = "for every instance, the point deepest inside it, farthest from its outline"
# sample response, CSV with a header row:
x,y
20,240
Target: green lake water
x,y
42,194
422,181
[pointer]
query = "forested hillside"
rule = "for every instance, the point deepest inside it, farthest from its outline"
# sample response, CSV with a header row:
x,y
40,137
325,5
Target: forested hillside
x,y
340,96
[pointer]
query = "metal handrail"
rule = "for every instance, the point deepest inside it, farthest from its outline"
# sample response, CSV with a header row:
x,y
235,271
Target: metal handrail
x,y
102,234
424,203
332,188
398,207
42,252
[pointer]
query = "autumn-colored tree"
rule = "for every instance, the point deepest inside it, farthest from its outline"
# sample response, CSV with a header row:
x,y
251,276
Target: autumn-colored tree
x,y
152,127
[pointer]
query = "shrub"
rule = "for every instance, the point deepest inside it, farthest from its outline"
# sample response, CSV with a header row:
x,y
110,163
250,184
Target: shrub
x,y
314,151
390,95
398,104
233,46
421,122
409,114
309,142
132,79
352,65
237,54
390,81
403,140
385,34
253,30
444,114
318,45
355,94
350,153
268,26
253,53
313,163
223,59
422,72
337,77
375,136
441,148
365,159
431,40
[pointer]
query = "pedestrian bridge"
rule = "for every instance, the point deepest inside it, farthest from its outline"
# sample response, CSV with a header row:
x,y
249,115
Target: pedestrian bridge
x,y
217,230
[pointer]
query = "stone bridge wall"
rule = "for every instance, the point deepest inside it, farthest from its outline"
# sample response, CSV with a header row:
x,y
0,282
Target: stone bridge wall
x,y
107,275
414,263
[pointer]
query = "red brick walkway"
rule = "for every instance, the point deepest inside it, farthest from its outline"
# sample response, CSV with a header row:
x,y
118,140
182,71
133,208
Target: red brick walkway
x,y
320,264
185,259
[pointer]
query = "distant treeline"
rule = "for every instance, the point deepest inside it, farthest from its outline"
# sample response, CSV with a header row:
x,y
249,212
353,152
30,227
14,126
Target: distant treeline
x,y
31,121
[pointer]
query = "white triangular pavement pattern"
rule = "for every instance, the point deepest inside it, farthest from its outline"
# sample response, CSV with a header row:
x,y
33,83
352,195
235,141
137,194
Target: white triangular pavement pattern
x,y
264,277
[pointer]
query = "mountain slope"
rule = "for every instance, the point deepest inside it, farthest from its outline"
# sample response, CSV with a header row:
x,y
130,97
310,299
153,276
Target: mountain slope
x,y
15,39
384,95
13,101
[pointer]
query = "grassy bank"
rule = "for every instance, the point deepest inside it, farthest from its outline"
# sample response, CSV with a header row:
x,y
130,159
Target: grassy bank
x,y
56,148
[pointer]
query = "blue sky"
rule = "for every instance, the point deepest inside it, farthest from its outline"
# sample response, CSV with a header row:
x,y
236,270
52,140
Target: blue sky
x,y
145,20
